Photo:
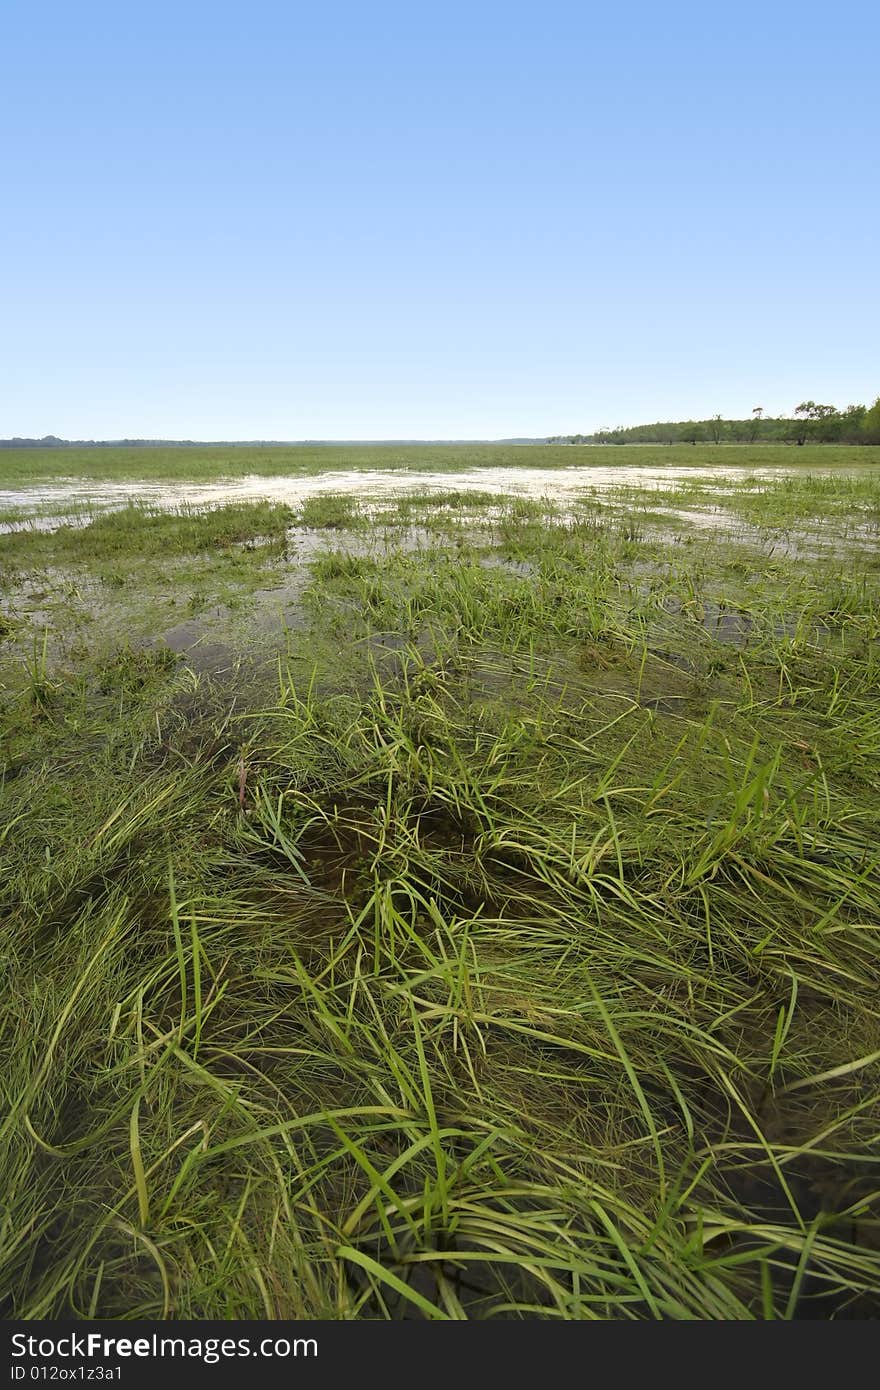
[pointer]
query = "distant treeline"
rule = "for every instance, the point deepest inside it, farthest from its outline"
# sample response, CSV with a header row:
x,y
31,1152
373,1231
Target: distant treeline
x,y
51,441
811,423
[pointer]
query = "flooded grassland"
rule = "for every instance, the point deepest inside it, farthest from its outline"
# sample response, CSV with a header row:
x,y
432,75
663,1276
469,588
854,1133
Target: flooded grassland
x,y
442,896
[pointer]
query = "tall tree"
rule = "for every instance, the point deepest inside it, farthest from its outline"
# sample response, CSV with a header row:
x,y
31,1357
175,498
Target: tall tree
x,y
803,415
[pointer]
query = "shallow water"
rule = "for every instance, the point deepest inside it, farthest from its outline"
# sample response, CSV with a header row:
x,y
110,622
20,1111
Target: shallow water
x,y
558,484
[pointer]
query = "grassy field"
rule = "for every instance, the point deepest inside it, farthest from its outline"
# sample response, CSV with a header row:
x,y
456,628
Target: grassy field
x,y
23,467
448,908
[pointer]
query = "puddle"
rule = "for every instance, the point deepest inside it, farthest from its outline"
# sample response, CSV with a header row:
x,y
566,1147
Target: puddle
x,y
522,568
187,639
42,523
277,610
184,635
725,626
210,657
716,519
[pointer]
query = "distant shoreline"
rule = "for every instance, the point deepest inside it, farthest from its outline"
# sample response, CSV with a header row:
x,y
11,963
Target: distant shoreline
x,y
52,442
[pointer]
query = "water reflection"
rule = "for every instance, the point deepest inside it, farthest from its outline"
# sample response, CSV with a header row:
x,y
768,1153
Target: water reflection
x,y
558,484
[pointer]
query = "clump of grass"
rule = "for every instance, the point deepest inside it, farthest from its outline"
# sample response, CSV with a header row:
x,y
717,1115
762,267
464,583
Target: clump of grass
x,y
429,500
141,531
337,564
329,511
39,684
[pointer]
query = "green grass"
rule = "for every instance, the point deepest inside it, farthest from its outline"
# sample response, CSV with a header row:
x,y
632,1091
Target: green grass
x,y
140,531
497,940
329,511
776,502
24,467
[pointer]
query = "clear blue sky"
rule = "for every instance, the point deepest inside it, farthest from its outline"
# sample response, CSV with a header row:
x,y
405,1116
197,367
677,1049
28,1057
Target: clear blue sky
x,y
469,220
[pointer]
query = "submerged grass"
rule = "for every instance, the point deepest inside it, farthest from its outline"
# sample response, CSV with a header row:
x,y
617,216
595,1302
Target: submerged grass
x,y
140,531
506,947
25,467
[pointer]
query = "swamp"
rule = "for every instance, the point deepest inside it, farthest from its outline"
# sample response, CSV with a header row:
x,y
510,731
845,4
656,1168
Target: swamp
x,y
440,883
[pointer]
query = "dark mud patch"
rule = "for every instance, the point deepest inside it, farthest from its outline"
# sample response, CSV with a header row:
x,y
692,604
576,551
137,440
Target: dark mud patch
x,y
183,636
837,1199
189,639
278,609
